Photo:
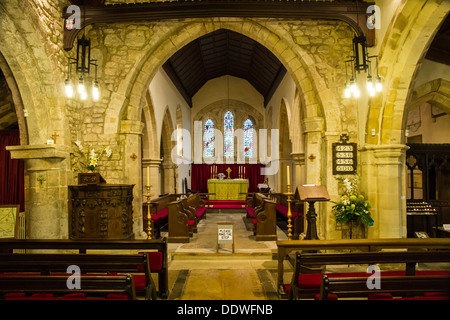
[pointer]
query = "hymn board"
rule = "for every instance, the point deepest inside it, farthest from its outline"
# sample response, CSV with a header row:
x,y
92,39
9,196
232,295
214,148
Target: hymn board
x,y
344,156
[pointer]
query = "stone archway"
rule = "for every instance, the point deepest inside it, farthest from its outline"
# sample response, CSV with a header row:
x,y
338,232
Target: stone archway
x,y
383,156
310,72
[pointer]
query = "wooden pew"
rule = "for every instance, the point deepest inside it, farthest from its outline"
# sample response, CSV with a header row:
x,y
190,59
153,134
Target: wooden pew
x,y
195,201
180,226
297,206
47,264
394,288
307,285
287,246
159,211
21,287
157,250
264,218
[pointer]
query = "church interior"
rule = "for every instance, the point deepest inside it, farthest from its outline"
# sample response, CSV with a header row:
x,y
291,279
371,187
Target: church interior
x,y
225,150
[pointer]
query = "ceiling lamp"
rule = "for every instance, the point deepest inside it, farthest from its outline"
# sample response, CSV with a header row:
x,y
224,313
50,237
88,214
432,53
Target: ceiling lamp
x,y
83,63
360,61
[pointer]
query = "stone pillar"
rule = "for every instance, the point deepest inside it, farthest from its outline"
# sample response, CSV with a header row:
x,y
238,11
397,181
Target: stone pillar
x,y
132,132
383,176
47,175
154,166
313,130
299,169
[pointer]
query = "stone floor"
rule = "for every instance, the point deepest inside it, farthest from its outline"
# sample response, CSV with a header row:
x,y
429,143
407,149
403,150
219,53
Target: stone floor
x,y
198,272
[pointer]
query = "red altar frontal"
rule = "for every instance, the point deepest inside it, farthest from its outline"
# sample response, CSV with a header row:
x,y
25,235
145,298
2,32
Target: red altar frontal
x,y
201,173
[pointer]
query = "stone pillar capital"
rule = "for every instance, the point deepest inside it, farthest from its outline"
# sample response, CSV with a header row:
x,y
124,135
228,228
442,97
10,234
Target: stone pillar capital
x,y
41,151
313,124
299,157
149,162
131,127
386,154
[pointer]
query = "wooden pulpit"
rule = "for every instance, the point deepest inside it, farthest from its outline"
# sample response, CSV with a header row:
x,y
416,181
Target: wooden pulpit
x,y
311,194
100,211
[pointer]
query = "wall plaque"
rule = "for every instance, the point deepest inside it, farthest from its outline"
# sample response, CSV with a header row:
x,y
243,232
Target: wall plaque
x,y
344,156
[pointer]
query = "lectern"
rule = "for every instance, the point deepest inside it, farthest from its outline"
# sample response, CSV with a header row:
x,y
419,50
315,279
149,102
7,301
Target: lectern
x,y
311,194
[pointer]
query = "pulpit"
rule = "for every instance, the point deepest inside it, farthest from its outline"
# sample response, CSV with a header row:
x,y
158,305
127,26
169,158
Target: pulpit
x,y
311,194
100,211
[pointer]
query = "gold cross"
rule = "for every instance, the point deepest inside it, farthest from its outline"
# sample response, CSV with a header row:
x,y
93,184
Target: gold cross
x,y
229,170
312,157
54,137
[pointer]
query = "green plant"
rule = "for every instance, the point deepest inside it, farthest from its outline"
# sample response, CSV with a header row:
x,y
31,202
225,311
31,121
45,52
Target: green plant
x,y
353,205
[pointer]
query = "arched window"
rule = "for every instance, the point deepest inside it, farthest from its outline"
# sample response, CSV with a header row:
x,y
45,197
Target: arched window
x,y
248,138
228,134
208,138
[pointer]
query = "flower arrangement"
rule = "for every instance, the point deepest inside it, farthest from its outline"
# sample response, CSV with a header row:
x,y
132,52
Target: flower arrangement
x,y
91,157
353,205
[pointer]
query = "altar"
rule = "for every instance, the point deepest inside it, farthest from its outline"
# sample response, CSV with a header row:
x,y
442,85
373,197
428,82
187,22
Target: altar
x,y
228,189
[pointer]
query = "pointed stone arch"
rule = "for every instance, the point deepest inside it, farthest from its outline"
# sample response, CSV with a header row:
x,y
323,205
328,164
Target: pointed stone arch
x,y
404,46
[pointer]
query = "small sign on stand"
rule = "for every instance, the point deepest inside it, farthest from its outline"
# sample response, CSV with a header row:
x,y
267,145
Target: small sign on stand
x,y
225,234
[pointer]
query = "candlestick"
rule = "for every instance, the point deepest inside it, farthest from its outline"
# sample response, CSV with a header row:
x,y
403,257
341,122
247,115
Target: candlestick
x,y
288,178
244,173
148,175
212,172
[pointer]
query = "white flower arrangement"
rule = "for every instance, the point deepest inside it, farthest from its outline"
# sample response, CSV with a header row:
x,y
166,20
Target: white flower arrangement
x,y
91,157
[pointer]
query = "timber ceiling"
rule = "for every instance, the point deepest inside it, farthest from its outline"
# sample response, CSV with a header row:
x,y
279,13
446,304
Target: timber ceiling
x,y
439,50
224,52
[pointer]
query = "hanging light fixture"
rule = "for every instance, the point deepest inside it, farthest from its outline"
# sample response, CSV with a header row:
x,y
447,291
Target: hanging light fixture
x,y
361,61
83,63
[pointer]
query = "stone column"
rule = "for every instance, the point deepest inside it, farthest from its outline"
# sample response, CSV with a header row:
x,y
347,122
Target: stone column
x,y
132,132
154,166
313,130
300,169
47,175
383,176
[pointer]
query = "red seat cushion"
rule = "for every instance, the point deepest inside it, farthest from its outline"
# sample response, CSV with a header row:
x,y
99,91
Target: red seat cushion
x,y
255,221
191,222
330,296
250,211
163,213
155,260
200,211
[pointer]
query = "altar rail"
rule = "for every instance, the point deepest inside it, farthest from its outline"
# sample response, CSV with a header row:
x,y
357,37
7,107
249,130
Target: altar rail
x,y
370,245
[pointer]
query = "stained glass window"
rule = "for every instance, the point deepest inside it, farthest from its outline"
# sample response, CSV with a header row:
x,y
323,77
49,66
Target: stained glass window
x,y
208,139
228,134
248,138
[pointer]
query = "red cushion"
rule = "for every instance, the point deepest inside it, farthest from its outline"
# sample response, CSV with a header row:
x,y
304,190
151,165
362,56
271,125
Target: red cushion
x,y
200,211
77,295
155,260
255,221
250,211
379,296
190,222
330,296
140,281
163,213
116,296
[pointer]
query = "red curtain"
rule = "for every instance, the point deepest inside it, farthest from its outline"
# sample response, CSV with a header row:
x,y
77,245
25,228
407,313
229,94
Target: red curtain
x,y
11,172
202,172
